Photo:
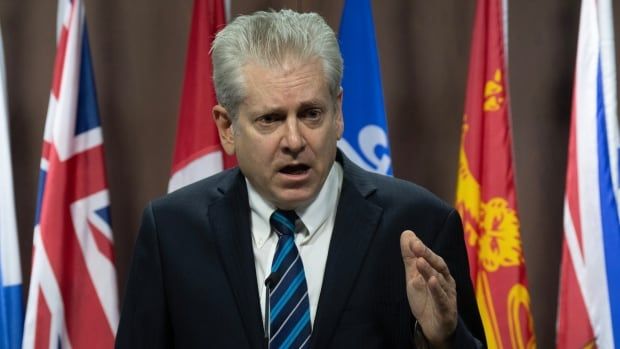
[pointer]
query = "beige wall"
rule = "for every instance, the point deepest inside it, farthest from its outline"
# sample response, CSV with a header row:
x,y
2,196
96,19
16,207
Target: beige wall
x,y
138,51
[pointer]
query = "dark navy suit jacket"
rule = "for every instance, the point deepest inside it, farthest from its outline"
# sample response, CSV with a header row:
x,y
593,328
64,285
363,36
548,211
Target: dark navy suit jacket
x,y
192,282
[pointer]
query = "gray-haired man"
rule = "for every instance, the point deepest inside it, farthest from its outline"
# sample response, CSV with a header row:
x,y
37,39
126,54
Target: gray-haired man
x,y
297,247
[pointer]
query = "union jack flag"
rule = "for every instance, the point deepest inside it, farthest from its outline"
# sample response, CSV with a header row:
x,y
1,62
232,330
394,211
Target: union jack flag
x,y
72,300
589,294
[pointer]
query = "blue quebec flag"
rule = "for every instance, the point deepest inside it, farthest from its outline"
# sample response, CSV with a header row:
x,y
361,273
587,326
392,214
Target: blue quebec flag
x,y
365,138
11,305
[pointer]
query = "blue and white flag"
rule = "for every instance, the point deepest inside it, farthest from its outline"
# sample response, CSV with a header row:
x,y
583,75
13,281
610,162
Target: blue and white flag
x,y
11,305
589,300
365,138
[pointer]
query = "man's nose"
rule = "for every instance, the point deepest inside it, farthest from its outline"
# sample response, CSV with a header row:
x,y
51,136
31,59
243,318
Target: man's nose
x,y
293,139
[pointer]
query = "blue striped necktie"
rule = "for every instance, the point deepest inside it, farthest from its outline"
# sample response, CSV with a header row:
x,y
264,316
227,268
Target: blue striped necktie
x,y
288,299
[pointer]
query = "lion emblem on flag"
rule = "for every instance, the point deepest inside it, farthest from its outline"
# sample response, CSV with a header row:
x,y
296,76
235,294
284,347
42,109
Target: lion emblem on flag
x,y
491,226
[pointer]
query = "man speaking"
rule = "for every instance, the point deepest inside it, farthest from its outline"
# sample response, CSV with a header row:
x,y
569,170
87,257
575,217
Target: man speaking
x,y
297,247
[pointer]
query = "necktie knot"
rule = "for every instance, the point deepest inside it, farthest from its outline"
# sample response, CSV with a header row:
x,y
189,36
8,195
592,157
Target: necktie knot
x,y
283,222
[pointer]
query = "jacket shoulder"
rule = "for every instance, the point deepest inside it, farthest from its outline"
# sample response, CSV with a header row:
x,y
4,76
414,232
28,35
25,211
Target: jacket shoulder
x,y
399,194
199,194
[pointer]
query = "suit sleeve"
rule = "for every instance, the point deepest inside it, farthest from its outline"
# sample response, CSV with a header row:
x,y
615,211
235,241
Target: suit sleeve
x,y
144,319
450,244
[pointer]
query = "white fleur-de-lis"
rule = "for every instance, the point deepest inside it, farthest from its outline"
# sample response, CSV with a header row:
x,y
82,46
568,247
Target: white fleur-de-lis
x,y
369,137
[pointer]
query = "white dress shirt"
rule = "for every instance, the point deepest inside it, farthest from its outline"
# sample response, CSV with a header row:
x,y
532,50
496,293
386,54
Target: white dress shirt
x,y
312,242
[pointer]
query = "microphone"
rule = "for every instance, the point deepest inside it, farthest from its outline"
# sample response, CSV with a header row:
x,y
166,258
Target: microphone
x,y
270,282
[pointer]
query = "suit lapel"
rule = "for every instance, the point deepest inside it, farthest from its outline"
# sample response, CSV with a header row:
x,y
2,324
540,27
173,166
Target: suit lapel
x,y
355,225
230,222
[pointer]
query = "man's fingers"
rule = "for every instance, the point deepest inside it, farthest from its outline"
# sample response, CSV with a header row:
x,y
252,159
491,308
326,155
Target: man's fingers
x,y
407,238
421,260
438,263
439,293
428,271
412,273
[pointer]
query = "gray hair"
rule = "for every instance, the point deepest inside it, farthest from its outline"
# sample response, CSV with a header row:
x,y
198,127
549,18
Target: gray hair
x,y
269,38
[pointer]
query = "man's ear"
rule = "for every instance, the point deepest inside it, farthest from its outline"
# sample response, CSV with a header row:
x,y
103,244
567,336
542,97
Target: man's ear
x,y
339,117
224,124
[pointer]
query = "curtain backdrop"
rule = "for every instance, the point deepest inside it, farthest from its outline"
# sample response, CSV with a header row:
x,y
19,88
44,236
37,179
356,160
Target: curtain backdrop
x,y
138,51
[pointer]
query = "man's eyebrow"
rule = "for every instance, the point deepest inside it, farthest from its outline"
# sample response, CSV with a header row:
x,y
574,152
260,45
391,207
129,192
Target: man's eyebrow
x,y
266,110
313,103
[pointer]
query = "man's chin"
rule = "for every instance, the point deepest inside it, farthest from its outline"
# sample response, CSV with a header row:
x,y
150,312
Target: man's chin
x,y
292,199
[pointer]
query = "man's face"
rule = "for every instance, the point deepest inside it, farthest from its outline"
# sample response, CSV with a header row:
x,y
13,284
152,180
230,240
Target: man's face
x,y
286,131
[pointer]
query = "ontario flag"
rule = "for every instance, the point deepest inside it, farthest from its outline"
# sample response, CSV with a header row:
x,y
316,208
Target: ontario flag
x,y
486,197
589,296
198,153
72,300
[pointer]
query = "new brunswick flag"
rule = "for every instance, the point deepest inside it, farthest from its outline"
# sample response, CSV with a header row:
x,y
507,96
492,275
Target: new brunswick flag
x,y
485,195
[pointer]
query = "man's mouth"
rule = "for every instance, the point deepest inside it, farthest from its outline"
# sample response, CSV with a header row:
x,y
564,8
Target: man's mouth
x,y
295,169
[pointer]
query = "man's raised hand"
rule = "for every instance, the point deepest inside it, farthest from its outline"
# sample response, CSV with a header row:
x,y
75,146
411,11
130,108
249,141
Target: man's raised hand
x,y
431,290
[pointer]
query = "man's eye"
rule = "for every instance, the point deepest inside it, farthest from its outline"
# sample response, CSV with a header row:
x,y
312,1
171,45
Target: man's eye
x,y
267,119
313,113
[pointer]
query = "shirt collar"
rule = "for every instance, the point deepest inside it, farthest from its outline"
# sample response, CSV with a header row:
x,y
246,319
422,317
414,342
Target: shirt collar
x,y
313,215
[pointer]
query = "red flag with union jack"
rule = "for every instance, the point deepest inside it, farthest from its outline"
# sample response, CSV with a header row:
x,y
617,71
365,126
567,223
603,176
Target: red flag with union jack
x,y
198,153
73,297
486,196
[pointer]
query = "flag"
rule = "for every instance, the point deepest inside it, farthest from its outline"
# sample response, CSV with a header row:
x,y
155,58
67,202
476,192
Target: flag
x,y
589,294
11,304
485,197
365,139
72,300
198,153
